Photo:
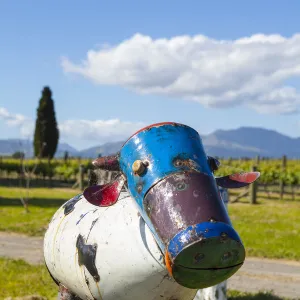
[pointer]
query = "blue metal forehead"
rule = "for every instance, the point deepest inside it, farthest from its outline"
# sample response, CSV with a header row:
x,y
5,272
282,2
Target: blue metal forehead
x,y
161,146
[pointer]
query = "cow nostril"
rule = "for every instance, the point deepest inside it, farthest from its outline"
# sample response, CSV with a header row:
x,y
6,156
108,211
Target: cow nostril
x,y
198,257
226,256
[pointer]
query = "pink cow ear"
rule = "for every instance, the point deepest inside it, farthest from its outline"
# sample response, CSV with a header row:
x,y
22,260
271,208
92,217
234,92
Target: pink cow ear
x,y
238,180
104,195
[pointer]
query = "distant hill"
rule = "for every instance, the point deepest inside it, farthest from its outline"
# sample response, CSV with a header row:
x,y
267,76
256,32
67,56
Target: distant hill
x,y
105,149
10,146
241,142
251,141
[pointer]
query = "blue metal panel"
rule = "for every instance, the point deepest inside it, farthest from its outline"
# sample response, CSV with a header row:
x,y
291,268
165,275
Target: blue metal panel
x,y
162,146
206,230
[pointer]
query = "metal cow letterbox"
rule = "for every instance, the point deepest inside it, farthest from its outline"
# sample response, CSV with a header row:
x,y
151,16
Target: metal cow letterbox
x,y
183,241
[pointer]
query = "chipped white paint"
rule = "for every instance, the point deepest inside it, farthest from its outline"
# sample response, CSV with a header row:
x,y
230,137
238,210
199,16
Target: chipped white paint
x,y
128,259
216,292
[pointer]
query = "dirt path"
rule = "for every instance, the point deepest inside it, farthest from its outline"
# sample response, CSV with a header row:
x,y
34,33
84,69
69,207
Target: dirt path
x,y
282,277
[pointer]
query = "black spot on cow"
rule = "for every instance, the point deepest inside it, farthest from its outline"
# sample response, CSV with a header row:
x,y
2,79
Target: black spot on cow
x,y
69,206
87,256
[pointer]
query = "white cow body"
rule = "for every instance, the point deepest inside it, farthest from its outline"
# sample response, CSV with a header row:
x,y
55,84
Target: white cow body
x,y
129,262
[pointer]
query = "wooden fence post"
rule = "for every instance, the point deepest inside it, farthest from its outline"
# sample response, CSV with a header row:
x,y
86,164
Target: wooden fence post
x,y
81,177
253,188
281,182
257,160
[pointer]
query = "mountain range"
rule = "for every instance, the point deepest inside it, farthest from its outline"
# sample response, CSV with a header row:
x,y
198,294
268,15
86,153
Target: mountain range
x,y
241,142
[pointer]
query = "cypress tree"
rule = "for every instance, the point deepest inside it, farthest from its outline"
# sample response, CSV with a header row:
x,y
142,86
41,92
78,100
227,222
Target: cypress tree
x,y
46,133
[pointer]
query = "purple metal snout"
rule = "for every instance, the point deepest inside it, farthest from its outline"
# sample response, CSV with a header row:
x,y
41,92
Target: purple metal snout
x,y
187,212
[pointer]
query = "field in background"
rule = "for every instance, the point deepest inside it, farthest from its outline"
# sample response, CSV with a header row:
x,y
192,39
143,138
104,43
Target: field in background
x,y
18,278
273,172
43,203
269,229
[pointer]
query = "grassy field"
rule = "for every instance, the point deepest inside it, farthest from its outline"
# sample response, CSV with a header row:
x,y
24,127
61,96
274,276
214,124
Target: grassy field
x,y
18,278
269,229
42,205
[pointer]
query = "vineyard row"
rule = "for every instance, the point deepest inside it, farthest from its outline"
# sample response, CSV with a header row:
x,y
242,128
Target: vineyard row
x,y
272,171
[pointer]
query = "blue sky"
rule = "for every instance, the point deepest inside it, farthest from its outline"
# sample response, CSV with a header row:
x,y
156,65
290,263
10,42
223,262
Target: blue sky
x,y
37,35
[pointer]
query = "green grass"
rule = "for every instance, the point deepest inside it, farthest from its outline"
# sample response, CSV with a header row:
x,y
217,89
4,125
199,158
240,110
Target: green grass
x,y
269,229
43,204
236,295
18,278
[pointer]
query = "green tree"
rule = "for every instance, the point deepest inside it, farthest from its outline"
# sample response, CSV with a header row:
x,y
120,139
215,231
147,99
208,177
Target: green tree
x,y
46,133
18,154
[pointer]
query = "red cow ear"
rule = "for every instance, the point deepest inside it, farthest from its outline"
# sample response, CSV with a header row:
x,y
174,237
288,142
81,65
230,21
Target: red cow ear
x,y
238,180
104,195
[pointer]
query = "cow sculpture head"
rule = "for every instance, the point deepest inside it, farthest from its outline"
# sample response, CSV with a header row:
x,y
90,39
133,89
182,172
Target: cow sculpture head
x,y
165,169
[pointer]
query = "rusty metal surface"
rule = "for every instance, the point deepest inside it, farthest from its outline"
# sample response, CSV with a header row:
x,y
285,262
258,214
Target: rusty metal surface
x,y
110,163
167,148
171,180
181,200
146,128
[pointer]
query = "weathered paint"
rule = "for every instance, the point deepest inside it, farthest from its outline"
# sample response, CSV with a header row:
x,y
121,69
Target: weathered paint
x,y
239,180
213,163
104,195
110,163
218,291
87,256
167,148
171,182
171,179
128,260
210,240
200,263
69,206
181,200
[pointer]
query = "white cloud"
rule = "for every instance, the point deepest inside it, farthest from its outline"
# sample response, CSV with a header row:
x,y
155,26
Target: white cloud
x,y
97,130
16,120
251,71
